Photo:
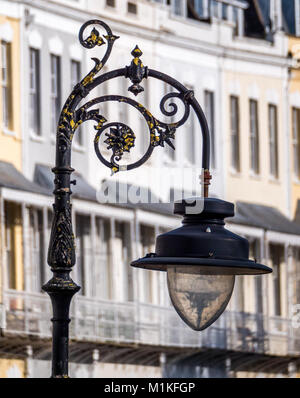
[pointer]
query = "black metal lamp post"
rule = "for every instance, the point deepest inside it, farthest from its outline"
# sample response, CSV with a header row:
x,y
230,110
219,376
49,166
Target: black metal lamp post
x,y
201,258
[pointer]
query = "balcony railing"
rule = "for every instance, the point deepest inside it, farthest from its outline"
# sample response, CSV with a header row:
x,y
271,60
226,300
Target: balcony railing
x,y
131,322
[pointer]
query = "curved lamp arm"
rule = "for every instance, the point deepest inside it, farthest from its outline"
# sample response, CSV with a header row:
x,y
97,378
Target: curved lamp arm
x,y
119,138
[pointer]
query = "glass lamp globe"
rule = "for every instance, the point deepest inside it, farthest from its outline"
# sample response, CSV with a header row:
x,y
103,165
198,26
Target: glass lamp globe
x,y
201,259
198,298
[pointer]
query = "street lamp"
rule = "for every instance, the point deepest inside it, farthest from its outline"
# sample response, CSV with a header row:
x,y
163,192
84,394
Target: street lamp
x,y
201,258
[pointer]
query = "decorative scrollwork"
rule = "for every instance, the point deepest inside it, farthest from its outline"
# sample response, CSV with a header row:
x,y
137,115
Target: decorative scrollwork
x,y
120,139
94,39
160,133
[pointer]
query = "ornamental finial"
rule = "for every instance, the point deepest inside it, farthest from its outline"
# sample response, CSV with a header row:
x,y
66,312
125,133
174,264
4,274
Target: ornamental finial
x,y
136,71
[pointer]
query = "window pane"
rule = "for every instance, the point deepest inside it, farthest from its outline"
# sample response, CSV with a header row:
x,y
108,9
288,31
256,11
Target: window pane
x,y
198,6
34,91
215,8
296,141
132,8
235,20
254,138
102,277
36,249
178,7
224,11
75,79
55,92
6,85
289,15
235,139
122,252
277,257
209,113
189,137
12,244
147,236
83,253
110,3
273,141
254,254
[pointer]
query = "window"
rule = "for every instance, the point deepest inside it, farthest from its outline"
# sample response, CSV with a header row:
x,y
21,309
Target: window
x,y
102,265
123,107
254,254
36,249
75,78
13,242
210,116
132,8
179,7
235,17
235,133
6,85
296,257
254,138
215,8
83,253
55,92
189,137
198,9
291,15
122,253
277,257
147,236
273,141
224,11
34,91
296,141
111,3
239,293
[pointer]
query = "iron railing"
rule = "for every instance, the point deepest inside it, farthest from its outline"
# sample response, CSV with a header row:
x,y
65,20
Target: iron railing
x,y
99,321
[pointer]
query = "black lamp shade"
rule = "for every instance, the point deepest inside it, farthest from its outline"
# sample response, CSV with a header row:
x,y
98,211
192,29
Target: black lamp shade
x,y
203,241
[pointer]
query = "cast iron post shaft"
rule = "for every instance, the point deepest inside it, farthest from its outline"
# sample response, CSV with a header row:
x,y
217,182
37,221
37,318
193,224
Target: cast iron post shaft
x,y
61,258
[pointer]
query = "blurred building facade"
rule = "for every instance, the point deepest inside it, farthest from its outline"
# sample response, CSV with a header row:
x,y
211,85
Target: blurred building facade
x,y
240,58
